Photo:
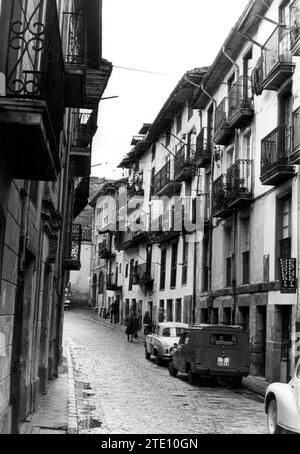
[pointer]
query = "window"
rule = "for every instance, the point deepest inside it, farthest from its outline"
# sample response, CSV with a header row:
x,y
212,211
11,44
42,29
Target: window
x,y
163,259
178,310
126,270
166,332
246,267
131,274
285,233
178,123
153,147
185,257
174,265
205,264
184,338
168,138
223,339
190,111
228,272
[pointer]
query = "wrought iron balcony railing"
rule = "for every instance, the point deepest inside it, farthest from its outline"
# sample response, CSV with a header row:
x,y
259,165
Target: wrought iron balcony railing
x,y
239,182
162,178
203,147
220,197
72,249
74,38
31,108
240,109
84,128
112,282
295,27
183,163
223,132
35,66
221,114
277,59
275,156
142,276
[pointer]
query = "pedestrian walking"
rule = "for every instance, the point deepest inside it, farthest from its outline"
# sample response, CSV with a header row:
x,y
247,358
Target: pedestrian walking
x,y
147,322
131,326
113,312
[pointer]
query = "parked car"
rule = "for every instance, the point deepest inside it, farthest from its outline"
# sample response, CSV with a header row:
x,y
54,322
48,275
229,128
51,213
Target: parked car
x,y
282,404
162,340
212,351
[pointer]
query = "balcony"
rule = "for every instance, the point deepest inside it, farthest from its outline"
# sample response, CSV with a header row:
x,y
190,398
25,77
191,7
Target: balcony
x,y
295,28
203,147
71,259
112,282
84,128
277,60
31,110
295,155
164,183
239,184
240,106
220,198
142,276
275,157
74,58
183,164
223,132
104,251
166,227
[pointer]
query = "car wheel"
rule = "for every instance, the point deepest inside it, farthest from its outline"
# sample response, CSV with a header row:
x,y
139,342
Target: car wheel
x,y
147,354
191,377
272,417
172,370
158,360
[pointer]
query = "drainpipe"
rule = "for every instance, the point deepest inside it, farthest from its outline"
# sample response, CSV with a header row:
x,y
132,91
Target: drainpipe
x,y
210,236
233,314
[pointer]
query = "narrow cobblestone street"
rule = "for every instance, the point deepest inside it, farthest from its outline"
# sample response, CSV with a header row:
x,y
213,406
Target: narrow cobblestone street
x,y
120,392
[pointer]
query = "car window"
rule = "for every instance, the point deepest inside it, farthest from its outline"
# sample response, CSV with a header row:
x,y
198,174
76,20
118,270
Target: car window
x,y
157,330
182,338
179,331
223,339
166,332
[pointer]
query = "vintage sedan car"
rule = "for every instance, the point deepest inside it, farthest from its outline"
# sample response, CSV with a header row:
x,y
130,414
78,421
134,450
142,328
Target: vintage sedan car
x,y
282,404
160,343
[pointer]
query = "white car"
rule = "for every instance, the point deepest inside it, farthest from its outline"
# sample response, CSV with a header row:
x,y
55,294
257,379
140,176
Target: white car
x,y
160,343
282,404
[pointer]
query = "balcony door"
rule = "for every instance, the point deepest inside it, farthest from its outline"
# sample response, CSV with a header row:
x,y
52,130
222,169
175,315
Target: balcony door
x,y
285,114
284,42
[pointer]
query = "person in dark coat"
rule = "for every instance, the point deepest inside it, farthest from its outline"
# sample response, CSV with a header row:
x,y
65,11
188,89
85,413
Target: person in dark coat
x,y
147,322
131,326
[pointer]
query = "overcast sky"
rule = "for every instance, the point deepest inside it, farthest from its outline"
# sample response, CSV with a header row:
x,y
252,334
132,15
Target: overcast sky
x,y
163,36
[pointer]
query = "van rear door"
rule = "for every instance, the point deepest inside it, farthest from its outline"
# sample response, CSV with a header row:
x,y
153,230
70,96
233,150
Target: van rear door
x,y
225,350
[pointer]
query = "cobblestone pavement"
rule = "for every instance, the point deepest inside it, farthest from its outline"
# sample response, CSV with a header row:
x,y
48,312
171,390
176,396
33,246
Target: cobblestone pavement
x,y
120,392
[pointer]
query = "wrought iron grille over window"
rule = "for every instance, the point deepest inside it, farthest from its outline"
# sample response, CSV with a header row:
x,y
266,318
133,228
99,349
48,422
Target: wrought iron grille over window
x,y
73,243
35,62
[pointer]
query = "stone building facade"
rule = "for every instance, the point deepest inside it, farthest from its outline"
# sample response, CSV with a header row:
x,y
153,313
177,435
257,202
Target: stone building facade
x,y
52,77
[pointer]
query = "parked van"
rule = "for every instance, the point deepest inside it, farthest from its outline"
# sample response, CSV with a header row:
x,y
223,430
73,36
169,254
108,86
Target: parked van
x,y
212,351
